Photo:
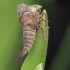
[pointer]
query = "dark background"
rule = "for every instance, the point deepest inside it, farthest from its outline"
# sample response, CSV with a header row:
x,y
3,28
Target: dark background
x,y
59,18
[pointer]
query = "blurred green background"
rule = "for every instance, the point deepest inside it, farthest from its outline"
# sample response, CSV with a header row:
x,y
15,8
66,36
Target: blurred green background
x,y
59,35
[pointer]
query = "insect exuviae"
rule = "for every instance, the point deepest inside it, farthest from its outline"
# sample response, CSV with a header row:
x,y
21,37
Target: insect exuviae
x,y
29,18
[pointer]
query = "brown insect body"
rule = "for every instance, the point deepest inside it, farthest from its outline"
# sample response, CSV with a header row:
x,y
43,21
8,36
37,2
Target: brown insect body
x,y
29,21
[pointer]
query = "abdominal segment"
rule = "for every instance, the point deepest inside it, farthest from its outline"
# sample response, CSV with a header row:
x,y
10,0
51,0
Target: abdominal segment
x,y
28,38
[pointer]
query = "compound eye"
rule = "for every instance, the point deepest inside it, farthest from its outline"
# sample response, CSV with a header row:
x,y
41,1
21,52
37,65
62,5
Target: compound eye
x,y
27,13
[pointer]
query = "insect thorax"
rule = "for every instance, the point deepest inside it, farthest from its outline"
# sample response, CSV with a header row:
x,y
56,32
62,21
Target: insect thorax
x,y
35,8
32,8
29,19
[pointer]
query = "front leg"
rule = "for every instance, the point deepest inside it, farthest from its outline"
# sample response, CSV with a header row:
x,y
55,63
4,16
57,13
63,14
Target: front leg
x,y
40,16
42,19
39,26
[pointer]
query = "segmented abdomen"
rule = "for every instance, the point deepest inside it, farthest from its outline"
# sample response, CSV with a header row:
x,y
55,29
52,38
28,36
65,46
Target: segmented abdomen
x,y
28,38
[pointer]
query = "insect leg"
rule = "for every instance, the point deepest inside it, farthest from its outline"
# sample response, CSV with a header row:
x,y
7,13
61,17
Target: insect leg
x,y
42,31
45,20
41,15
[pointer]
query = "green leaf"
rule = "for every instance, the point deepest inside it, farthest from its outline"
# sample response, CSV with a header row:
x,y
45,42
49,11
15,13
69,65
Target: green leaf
x,y
62,58
39,67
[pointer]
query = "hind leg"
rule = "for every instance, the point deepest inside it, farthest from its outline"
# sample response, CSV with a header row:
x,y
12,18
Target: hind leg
x,y
39,26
